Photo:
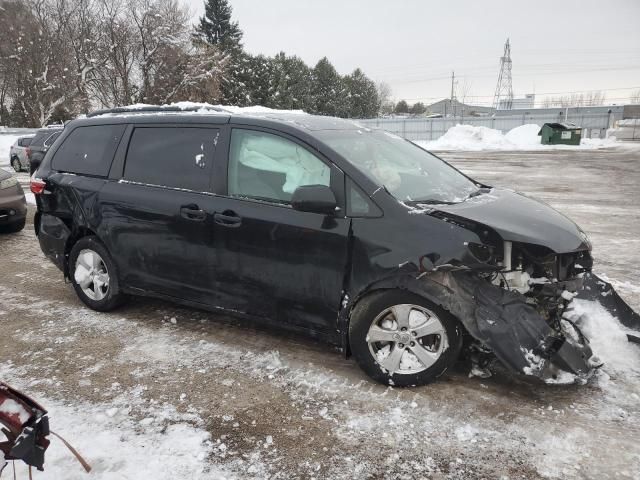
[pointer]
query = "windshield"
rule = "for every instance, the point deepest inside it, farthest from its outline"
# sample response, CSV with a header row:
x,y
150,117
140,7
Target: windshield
x,y
409,173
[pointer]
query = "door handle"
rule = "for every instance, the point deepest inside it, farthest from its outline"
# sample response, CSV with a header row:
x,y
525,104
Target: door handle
x,y
227,219
193,212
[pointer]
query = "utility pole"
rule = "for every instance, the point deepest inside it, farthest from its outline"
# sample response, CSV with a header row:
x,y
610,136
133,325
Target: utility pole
x,y
453,79
504,88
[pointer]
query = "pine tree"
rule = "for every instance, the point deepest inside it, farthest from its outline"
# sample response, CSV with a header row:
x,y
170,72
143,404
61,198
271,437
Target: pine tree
x,y
259,82
402,107
329,96
291,84
216,27
363,95
418,108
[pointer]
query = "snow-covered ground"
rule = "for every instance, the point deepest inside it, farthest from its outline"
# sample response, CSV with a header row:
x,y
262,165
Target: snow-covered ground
x,y
525,137
159,391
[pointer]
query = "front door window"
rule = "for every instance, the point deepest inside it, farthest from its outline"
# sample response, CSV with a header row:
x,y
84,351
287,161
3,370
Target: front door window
x,y
269,167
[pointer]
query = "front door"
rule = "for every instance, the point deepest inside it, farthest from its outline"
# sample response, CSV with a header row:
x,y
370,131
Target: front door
x,y
271,260
158,219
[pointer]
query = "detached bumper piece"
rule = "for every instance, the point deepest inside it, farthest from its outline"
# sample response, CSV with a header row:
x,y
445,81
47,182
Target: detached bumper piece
x,y
26,427
601,291
522,338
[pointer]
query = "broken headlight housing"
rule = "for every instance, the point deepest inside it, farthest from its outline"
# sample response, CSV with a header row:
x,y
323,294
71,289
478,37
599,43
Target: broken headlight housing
x,y
482,253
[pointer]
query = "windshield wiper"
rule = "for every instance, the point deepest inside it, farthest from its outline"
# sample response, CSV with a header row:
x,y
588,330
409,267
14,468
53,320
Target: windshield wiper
x,y
429,201
478,192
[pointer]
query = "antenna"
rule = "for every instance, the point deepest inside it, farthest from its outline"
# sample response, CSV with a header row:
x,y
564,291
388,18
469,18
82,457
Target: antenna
x,y
503,98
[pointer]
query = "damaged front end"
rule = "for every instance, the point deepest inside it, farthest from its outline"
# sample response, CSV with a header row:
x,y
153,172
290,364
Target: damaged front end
x,y
516,311
519,312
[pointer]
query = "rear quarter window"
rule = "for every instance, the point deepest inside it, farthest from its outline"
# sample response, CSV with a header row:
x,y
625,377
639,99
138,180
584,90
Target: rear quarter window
x,y
88,150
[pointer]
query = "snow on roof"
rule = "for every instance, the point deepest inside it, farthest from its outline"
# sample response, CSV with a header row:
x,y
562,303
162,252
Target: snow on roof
x,y
194,107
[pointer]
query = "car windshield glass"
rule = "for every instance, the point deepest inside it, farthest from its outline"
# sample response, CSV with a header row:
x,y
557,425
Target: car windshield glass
x,y
408,172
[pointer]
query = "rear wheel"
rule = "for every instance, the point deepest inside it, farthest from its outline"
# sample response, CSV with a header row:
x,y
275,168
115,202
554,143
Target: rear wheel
x,y
93,274
15,163
399,338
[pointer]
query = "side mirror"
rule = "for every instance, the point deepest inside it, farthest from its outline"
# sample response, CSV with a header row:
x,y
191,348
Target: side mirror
x,y
314,198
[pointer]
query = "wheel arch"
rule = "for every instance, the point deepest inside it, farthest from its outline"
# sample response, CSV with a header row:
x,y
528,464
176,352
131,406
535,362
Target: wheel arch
x,y
76,234
425,287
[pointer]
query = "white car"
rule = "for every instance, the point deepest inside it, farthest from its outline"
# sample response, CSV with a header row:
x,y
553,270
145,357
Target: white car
x,y
18,153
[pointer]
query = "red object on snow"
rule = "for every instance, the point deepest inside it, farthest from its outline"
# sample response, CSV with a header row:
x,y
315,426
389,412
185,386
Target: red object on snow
x,y
26,426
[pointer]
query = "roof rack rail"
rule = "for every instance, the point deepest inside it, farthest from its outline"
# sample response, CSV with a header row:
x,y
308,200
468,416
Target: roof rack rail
x,y
156,108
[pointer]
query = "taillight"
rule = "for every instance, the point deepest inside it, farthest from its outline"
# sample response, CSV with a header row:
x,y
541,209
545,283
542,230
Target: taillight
x,y
37,185
28,152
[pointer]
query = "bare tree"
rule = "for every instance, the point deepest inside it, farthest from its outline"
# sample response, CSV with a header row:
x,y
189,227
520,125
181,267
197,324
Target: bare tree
x,y
635,97
384,96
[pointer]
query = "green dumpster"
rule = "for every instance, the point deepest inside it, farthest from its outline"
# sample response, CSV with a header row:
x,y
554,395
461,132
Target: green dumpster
x,y
560,134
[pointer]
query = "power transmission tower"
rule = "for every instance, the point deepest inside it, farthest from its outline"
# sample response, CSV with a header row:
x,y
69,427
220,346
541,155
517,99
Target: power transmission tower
x,y
503,98
452,109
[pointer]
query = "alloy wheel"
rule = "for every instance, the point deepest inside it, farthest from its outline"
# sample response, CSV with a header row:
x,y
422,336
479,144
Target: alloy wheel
x,y
406,339
91,275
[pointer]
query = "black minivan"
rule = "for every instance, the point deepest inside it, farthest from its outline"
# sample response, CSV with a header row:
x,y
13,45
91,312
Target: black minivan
x,y
318,225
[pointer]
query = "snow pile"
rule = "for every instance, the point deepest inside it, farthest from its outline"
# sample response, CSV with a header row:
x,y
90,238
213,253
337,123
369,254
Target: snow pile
x,y
524,137
608,337
118,445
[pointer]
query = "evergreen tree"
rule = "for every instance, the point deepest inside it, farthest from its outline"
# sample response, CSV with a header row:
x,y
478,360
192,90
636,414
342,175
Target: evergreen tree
x,y
362,94
259,80
402,107
329,96
291,84
216,27
418,108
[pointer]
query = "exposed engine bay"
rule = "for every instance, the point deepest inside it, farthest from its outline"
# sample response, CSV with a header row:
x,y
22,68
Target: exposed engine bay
x,y
547,282
514,309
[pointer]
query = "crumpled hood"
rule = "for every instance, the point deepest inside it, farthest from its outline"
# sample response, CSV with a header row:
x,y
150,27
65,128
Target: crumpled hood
x,y
518,218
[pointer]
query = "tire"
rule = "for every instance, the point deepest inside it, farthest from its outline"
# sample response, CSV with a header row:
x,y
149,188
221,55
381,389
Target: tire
x,y
14,227
436,343
94,275
15,163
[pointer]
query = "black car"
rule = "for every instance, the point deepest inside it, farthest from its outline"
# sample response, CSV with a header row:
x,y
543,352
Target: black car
x,y
317,225
40,143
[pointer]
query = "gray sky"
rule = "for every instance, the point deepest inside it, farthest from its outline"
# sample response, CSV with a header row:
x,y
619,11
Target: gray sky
x,y
556,46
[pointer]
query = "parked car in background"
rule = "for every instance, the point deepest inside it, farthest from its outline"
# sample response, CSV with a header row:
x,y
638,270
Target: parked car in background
x,y
18,153
13,205
40,143
317,225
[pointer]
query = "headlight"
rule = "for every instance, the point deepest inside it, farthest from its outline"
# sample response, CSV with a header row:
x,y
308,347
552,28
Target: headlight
x,y
9,182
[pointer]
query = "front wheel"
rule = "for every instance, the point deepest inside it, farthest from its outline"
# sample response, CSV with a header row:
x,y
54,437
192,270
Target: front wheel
x,y
93,274
399,338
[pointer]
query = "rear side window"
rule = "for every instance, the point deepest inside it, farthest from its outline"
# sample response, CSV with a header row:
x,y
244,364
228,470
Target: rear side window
x,y
39,138
24,142
172,157
49,141
88,150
